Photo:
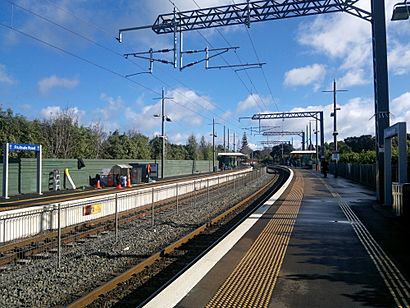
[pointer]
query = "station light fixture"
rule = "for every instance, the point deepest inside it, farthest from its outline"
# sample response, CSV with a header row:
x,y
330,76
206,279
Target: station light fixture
x,y
401,11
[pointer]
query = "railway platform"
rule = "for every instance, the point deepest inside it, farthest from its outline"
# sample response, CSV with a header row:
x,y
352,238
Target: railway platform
x,y
323,242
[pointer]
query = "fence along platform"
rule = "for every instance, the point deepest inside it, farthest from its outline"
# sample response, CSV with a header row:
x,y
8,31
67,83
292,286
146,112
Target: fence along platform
x,y
22,223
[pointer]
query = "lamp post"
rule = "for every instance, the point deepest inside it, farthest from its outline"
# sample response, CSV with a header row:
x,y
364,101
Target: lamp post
x,y
213,143
401,11
163,119
317,149
335,133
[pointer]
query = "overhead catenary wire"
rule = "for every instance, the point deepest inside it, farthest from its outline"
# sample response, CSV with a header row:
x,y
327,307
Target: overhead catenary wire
x,y
154,76
103,47
239,59
94,64
257,58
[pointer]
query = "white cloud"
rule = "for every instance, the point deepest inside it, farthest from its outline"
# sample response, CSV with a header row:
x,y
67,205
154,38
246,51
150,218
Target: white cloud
x,y
336,35
344,38
400,109
252,101
47,84
354,119
50,112
186,109
4,76
353,78
303,76
399,58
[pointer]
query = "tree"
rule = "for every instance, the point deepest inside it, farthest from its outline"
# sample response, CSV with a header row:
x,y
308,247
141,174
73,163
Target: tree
x,y
60,132
178,152
263,155
139,147
362,143
192,148
245,149
205,150
115,146
280,151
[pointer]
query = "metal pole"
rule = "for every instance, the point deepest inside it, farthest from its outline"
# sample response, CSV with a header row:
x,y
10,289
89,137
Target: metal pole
x,y
116,217
224,140
228,139
303,140
175,38
176,196
307,138
207,190
213,145
181,53
152,207
317,150
6,148
322,135
381,89
59,235
387,175
163,132
39,169
194,198
334,125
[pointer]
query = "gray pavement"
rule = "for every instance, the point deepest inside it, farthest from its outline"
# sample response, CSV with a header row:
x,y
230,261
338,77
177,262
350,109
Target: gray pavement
x,y
326,264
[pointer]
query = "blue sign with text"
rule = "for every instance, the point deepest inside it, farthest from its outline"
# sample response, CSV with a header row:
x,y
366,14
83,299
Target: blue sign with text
x,y
24,147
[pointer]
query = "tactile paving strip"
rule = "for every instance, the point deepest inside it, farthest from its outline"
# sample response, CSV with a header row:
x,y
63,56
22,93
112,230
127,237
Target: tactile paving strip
x,y
397,284
252,282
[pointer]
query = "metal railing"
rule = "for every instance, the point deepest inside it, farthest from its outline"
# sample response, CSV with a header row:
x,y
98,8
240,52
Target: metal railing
x,y
23,223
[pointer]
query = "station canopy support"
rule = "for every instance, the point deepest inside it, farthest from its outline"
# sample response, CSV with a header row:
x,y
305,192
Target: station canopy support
x,y
396,130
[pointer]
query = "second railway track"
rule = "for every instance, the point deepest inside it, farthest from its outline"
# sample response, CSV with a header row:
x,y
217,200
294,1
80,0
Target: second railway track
x,y
141,282
87,265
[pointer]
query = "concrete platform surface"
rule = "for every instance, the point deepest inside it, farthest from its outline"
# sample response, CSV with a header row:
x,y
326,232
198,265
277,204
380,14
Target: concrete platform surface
x,y
344,250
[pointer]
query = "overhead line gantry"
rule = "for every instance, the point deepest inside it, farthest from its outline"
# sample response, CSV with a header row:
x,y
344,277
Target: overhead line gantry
x,y
257,11
317,115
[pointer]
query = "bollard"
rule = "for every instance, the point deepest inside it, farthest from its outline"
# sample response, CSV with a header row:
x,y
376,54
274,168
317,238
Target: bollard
x,y
207,190
59,235
176,196
194,198
152,214
116,217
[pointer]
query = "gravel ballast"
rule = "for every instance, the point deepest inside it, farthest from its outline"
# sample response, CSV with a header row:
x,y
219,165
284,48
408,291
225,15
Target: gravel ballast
x,y
86,266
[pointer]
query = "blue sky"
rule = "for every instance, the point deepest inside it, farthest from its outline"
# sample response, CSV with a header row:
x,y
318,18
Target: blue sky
x,y
85,71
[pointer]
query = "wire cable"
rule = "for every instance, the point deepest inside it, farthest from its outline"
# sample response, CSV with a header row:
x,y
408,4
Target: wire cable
x,y
223,58
107,49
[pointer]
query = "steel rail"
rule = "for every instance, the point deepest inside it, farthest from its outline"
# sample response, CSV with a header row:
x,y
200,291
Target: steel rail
x,y
112,284
21,249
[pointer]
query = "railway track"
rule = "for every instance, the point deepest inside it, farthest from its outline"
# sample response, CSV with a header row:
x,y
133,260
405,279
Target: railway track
x,y
141,282
40,245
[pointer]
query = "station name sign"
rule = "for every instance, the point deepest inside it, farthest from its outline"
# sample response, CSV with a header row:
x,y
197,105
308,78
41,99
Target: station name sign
x,y
24,147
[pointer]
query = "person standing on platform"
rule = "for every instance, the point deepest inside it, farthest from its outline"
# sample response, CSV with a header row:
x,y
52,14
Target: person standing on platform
x,y
325,168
